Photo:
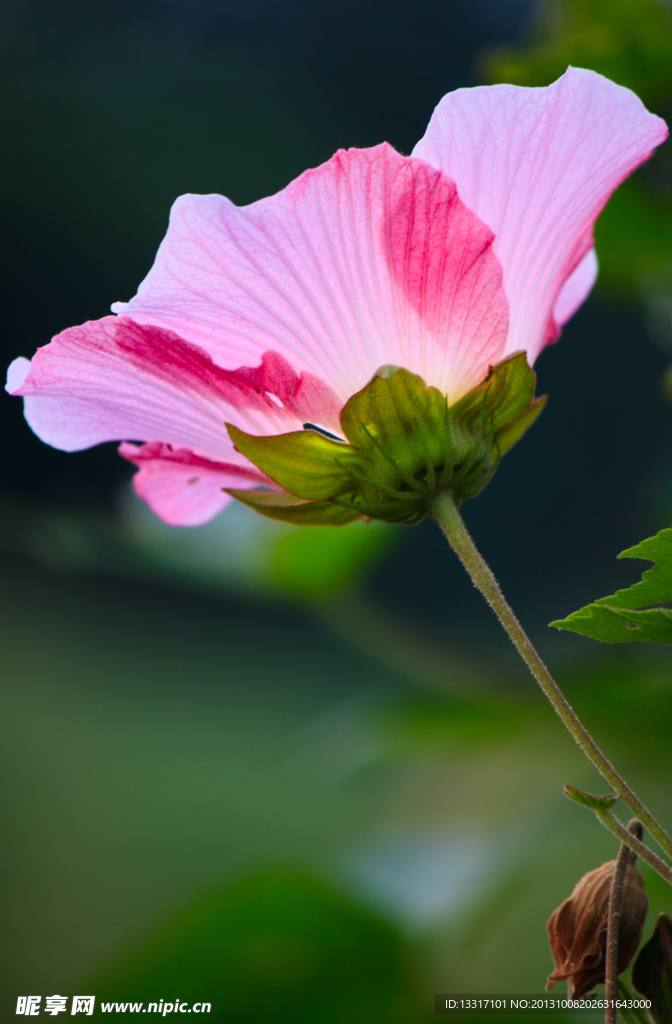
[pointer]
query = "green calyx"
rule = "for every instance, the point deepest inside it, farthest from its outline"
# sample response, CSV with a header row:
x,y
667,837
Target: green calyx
x,y
595,803
404,444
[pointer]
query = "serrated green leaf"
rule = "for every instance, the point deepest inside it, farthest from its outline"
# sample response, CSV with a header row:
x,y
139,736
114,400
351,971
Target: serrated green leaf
x,y
304,462
655,586
618,625
652,971
617,619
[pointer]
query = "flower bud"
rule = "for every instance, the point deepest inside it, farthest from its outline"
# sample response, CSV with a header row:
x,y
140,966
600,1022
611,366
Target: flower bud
x,y
577,930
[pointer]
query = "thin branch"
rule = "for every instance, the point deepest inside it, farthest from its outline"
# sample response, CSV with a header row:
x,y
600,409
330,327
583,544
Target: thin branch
x,y
625,857
610,821
444,509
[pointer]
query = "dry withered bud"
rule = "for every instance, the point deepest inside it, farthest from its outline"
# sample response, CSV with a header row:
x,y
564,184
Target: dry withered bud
x,y
577,930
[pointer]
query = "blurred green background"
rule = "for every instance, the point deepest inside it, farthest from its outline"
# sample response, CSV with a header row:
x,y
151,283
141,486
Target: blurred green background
x,y
297,773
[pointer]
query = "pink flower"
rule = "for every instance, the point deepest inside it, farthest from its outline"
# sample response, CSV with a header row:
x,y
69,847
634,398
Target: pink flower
x,y
273,315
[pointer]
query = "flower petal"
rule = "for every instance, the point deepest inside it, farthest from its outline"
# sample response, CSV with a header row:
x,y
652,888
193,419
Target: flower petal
x,y
370,259
537,166
576,289
114,379
181,488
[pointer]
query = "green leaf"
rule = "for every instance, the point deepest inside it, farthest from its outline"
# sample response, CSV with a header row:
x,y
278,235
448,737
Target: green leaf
x,y
617,626
616,619
304,462
655,585
595,803
652,971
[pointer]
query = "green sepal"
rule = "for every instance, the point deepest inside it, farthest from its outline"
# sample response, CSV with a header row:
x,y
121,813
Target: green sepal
x,y
595,803
503,398
652,971
303,462
404,444
618,618
290,509
400,423
489,420
512,432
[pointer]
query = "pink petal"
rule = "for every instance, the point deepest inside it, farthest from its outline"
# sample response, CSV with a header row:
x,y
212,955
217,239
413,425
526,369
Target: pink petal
x,y
367,260
114,379
453,322
537,166
17,372
576,289
181,488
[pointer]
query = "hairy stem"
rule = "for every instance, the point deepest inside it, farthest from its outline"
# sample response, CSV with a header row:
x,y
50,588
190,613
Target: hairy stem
x,y
610,821
625,857
442,506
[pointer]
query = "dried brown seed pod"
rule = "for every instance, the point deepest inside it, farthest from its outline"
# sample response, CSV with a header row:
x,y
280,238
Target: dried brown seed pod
x,y
577,930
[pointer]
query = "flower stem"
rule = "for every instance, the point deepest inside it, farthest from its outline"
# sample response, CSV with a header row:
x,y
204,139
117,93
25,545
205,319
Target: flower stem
x,y
625,857
610,821
443,508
